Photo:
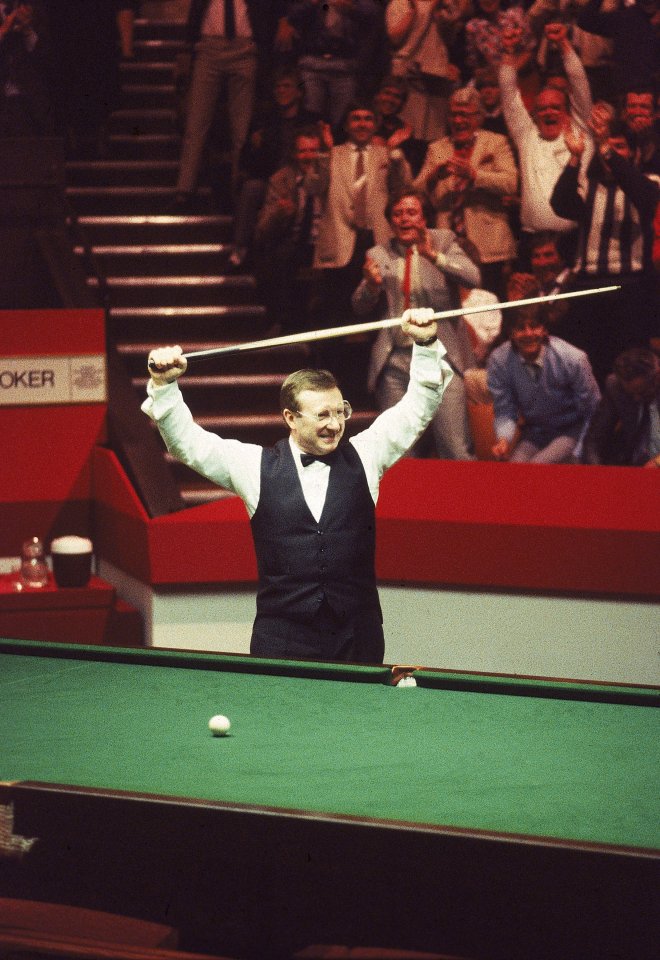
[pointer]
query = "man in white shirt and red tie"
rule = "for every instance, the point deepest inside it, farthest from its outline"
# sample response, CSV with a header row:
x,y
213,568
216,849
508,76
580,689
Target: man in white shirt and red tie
x,y
311,498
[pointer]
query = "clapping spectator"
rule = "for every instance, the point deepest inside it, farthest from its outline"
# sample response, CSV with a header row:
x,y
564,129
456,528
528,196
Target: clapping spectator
x,y
391,129
639,115
419,267
466,175
267,148
615,217
286,232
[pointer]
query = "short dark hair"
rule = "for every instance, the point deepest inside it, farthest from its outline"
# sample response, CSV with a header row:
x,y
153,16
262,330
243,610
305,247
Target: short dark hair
x,y
636,362
620,130
360,103
522,286
305,379
402,192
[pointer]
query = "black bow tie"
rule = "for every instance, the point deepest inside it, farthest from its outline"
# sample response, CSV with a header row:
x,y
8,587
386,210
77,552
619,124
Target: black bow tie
x,y
307,458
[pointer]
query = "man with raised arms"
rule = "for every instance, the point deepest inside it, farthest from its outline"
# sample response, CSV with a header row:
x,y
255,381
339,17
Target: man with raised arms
x,y
311,498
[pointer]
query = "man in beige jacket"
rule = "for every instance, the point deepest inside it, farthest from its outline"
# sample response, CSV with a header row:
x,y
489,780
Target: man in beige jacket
x,y
468,177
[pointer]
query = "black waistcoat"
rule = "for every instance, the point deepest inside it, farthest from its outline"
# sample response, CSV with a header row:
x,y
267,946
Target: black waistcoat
x,y
302,562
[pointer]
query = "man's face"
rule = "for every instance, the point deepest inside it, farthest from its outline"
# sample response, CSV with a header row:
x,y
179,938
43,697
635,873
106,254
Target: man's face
x,y
388,101
360,126
546,263
464,121
640,389
307,152
528,335
550,113
620,145
490,96
407,219
310,434
286,92
638,112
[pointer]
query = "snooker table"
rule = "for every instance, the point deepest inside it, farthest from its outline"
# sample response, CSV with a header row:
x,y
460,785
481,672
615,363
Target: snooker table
x,y
489,816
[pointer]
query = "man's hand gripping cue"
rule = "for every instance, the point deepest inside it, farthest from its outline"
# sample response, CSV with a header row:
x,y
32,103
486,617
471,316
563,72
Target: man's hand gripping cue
x,y
420,324
166,364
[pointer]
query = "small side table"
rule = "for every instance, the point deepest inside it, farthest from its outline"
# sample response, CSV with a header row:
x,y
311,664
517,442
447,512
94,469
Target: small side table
x,y
91,615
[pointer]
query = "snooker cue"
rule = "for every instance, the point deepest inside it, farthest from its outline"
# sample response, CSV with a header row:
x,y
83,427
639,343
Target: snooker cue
x,y
347,331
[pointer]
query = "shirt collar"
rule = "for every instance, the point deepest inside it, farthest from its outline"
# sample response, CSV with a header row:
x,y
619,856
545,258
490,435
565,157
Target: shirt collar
x,y
538,362
401,249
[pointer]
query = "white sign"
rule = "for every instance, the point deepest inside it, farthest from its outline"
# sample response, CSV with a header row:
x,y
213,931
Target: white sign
x,y
28,381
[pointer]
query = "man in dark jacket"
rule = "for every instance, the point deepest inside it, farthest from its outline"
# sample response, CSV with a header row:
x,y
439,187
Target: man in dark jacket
x,y
625,429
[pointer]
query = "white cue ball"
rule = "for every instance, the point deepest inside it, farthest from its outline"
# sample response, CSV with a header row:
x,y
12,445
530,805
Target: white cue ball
x,y
219,725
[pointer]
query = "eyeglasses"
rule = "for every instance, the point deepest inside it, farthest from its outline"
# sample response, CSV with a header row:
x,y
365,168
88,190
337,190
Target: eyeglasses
x,y
325,416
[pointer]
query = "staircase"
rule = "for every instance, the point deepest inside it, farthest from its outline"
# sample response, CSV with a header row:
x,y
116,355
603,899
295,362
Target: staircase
x,y
163,277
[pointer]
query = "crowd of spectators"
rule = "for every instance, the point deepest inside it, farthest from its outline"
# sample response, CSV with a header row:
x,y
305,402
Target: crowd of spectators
x,y
521,138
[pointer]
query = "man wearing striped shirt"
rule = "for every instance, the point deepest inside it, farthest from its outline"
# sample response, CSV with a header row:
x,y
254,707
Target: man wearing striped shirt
x,y
615,217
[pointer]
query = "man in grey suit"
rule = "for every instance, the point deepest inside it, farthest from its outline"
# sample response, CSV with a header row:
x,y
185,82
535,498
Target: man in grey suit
x,y
416,268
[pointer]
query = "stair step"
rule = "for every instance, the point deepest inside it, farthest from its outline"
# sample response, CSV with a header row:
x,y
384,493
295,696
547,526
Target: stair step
x,y
155,259
169,324
155,228
142,121
182,290
231,393
116,200
163,272
165,48
104,174
136,71
149,96
159,28
248,311
136,146
262,428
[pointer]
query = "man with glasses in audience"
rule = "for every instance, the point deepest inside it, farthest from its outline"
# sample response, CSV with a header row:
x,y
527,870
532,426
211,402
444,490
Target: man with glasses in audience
x,y
311,498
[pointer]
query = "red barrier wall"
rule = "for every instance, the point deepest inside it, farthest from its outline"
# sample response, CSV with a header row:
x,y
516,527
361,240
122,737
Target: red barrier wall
x,y
573,530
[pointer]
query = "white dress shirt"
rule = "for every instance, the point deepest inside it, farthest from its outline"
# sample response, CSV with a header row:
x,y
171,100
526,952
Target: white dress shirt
x,y
236,466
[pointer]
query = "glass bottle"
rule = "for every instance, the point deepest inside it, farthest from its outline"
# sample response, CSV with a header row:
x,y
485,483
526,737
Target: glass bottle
x,y
34,569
